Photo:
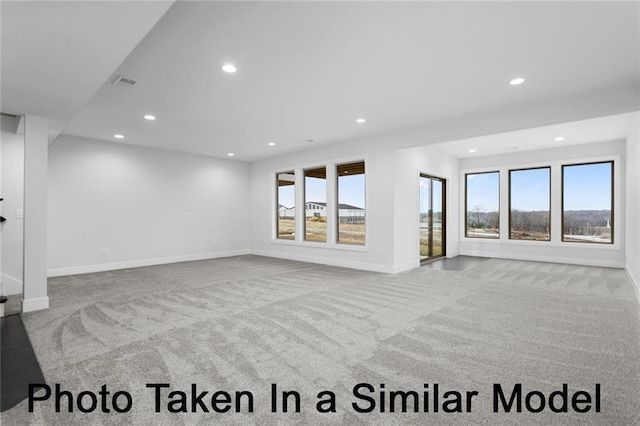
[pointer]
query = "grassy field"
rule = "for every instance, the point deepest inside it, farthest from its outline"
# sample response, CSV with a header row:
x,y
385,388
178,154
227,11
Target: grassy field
x,y
350,233
424,243
483,232
287,228
316,230
529,235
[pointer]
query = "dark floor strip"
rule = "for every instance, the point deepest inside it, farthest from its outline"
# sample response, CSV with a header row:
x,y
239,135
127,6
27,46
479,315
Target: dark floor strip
x,y
458,263
18,364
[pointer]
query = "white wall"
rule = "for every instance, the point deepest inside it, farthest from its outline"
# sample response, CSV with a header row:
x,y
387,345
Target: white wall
x,y
144,206
377,254
554,251
409,163
392,198
11,189
633,201
142,214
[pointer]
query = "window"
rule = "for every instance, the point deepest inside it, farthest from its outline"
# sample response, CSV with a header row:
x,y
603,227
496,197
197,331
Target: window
x,y
351,203
433,217
530,204
286,194
482,201
315,202
587,203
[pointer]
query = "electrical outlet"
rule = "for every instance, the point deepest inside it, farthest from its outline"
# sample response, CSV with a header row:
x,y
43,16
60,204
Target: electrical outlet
x,y
105,251
19,213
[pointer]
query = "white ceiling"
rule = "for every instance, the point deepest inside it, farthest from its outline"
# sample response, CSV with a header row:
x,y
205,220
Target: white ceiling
x,y
56,54
307,70
601,129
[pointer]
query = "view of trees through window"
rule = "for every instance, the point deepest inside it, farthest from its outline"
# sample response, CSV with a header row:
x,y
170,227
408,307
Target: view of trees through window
x,y
286,195
587,202
483,205
351,203
530,204
315,204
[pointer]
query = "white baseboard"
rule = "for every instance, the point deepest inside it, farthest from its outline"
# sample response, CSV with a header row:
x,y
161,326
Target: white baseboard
x,y
636,284
88,269
30,305
365,266
11,285
550,259
396,269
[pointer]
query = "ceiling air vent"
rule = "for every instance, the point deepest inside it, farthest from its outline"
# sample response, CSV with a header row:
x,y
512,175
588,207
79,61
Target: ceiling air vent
x,y
124,81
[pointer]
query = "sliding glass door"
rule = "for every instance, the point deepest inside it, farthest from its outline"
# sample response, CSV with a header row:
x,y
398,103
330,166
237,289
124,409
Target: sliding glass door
x,y
432,217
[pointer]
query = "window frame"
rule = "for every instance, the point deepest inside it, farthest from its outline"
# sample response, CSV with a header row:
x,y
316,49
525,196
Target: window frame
x,y
466,207
304,198
510,238
277,204
337,212
612,220
444,219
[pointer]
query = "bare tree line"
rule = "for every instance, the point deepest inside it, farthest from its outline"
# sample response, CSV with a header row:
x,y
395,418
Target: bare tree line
x,y
578,222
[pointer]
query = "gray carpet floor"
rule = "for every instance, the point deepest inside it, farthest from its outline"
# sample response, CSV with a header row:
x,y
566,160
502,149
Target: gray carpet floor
x,y
246,322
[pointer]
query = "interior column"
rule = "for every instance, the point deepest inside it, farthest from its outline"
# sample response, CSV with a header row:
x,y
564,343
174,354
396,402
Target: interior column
x,y
36,149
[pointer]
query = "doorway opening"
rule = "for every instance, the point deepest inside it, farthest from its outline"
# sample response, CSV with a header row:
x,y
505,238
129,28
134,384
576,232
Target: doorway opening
x,y
432,226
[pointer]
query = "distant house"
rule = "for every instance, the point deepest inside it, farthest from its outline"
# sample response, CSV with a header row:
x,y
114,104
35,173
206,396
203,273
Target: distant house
x,y
346,212
286,212
315,209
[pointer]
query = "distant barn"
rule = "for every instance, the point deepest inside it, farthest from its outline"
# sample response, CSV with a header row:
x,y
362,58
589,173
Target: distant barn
x,y
286,212
346,212
316,209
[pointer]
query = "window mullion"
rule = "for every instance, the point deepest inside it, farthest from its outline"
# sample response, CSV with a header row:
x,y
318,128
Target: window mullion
x,y
299,197
332,197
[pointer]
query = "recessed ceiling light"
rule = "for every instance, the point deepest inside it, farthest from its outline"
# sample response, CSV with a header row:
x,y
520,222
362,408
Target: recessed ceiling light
x,y
271,144
472,150
230,154
230,68
559,139
149,117
118,136
516,81
360,120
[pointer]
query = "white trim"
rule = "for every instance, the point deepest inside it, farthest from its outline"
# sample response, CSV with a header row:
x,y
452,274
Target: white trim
x,y
365,266
538,243
545,258
11,285
636,284
332,207
30,305
321,244
58,272
396,269
555,183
